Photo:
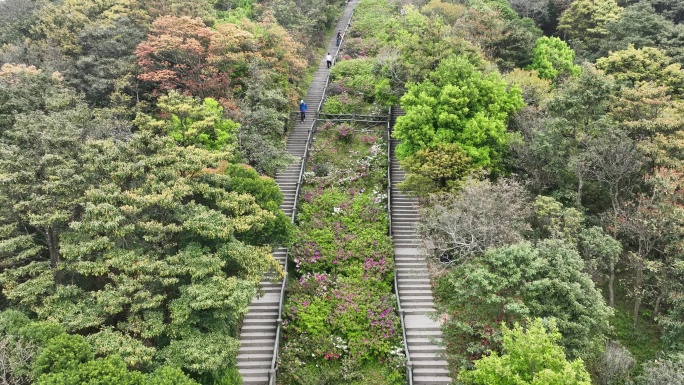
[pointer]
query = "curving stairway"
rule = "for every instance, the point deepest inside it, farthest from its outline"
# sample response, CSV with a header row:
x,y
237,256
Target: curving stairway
x,y
259,328
413,282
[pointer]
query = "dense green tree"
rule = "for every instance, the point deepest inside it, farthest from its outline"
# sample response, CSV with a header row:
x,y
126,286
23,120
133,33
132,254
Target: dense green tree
x,y
636,66
530,357
584,23
673,10
42,133
106,55
63,352
113,371
42,352
423,43
161,235
653,221
513,49
161,229
554,145
555,221
263,124
16,18
458,104
191,123
666,370
583,102
536,91
553,58
601,253
433,169
245,180
537,10
639,25
647,110
514,282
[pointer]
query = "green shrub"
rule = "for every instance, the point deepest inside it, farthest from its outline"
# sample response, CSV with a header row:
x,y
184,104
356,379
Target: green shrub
x,y
441,167
340,104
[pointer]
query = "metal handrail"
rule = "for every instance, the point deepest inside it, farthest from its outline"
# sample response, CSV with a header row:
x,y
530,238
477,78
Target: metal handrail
x,y
409,364
272,374
354,118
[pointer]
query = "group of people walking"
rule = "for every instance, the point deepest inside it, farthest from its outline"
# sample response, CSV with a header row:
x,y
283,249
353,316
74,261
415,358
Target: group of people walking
x,y
328,59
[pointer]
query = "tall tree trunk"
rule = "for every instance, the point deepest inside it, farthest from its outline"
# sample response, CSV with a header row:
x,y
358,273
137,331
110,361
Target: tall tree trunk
x,y
611,280
638,282
656,308
580,186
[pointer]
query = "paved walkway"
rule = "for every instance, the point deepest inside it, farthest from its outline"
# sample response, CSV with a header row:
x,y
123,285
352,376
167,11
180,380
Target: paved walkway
x,y
415,293
258,333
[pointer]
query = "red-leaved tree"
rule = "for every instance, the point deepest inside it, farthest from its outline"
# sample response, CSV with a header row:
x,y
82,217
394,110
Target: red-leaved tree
x,y
181,53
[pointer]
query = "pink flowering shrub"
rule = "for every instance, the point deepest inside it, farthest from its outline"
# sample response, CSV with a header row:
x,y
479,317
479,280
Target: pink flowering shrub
x,y
347,156
340,324
345,133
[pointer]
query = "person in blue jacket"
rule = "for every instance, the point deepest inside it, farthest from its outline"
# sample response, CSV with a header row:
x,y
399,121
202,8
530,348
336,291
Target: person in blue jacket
x,y
302,110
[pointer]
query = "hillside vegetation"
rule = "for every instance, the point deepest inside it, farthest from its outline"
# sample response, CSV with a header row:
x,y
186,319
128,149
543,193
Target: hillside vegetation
x,y
545,139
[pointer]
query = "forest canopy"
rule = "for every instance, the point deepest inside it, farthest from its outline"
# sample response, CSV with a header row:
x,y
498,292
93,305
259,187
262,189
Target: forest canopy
x,y
139,139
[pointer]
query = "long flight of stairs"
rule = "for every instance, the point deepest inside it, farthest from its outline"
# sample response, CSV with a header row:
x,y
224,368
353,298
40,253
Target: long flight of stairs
x,y
415,293
258,333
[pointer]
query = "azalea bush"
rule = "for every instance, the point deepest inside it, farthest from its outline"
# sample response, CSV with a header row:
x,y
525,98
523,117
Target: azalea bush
x,y
347,156
344,232
341,104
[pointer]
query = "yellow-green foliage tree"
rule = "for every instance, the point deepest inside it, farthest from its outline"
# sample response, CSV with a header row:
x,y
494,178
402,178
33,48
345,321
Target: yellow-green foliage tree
x,y
438,168
530,357
637,66
553,58
458,104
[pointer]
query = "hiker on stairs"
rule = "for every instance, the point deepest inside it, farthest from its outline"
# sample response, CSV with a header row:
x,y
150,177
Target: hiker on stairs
x,y
302,110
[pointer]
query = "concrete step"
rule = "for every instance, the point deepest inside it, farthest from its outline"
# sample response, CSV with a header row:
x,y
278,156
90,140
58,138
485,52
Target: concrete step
x,y
431,362
422,341
403,293
254,357
426,357
258,335
264,364
433,349
419,310
429,380
270,322
415,299
254,376
258,327
254,342
256,349
417,305
409,281
430,371
256,308
412,272
414,289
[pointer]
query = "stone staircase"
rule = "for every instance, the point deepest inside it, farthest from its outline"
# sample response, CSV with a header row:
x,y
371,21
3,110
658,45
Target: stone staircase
x,y
258,333
415,293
